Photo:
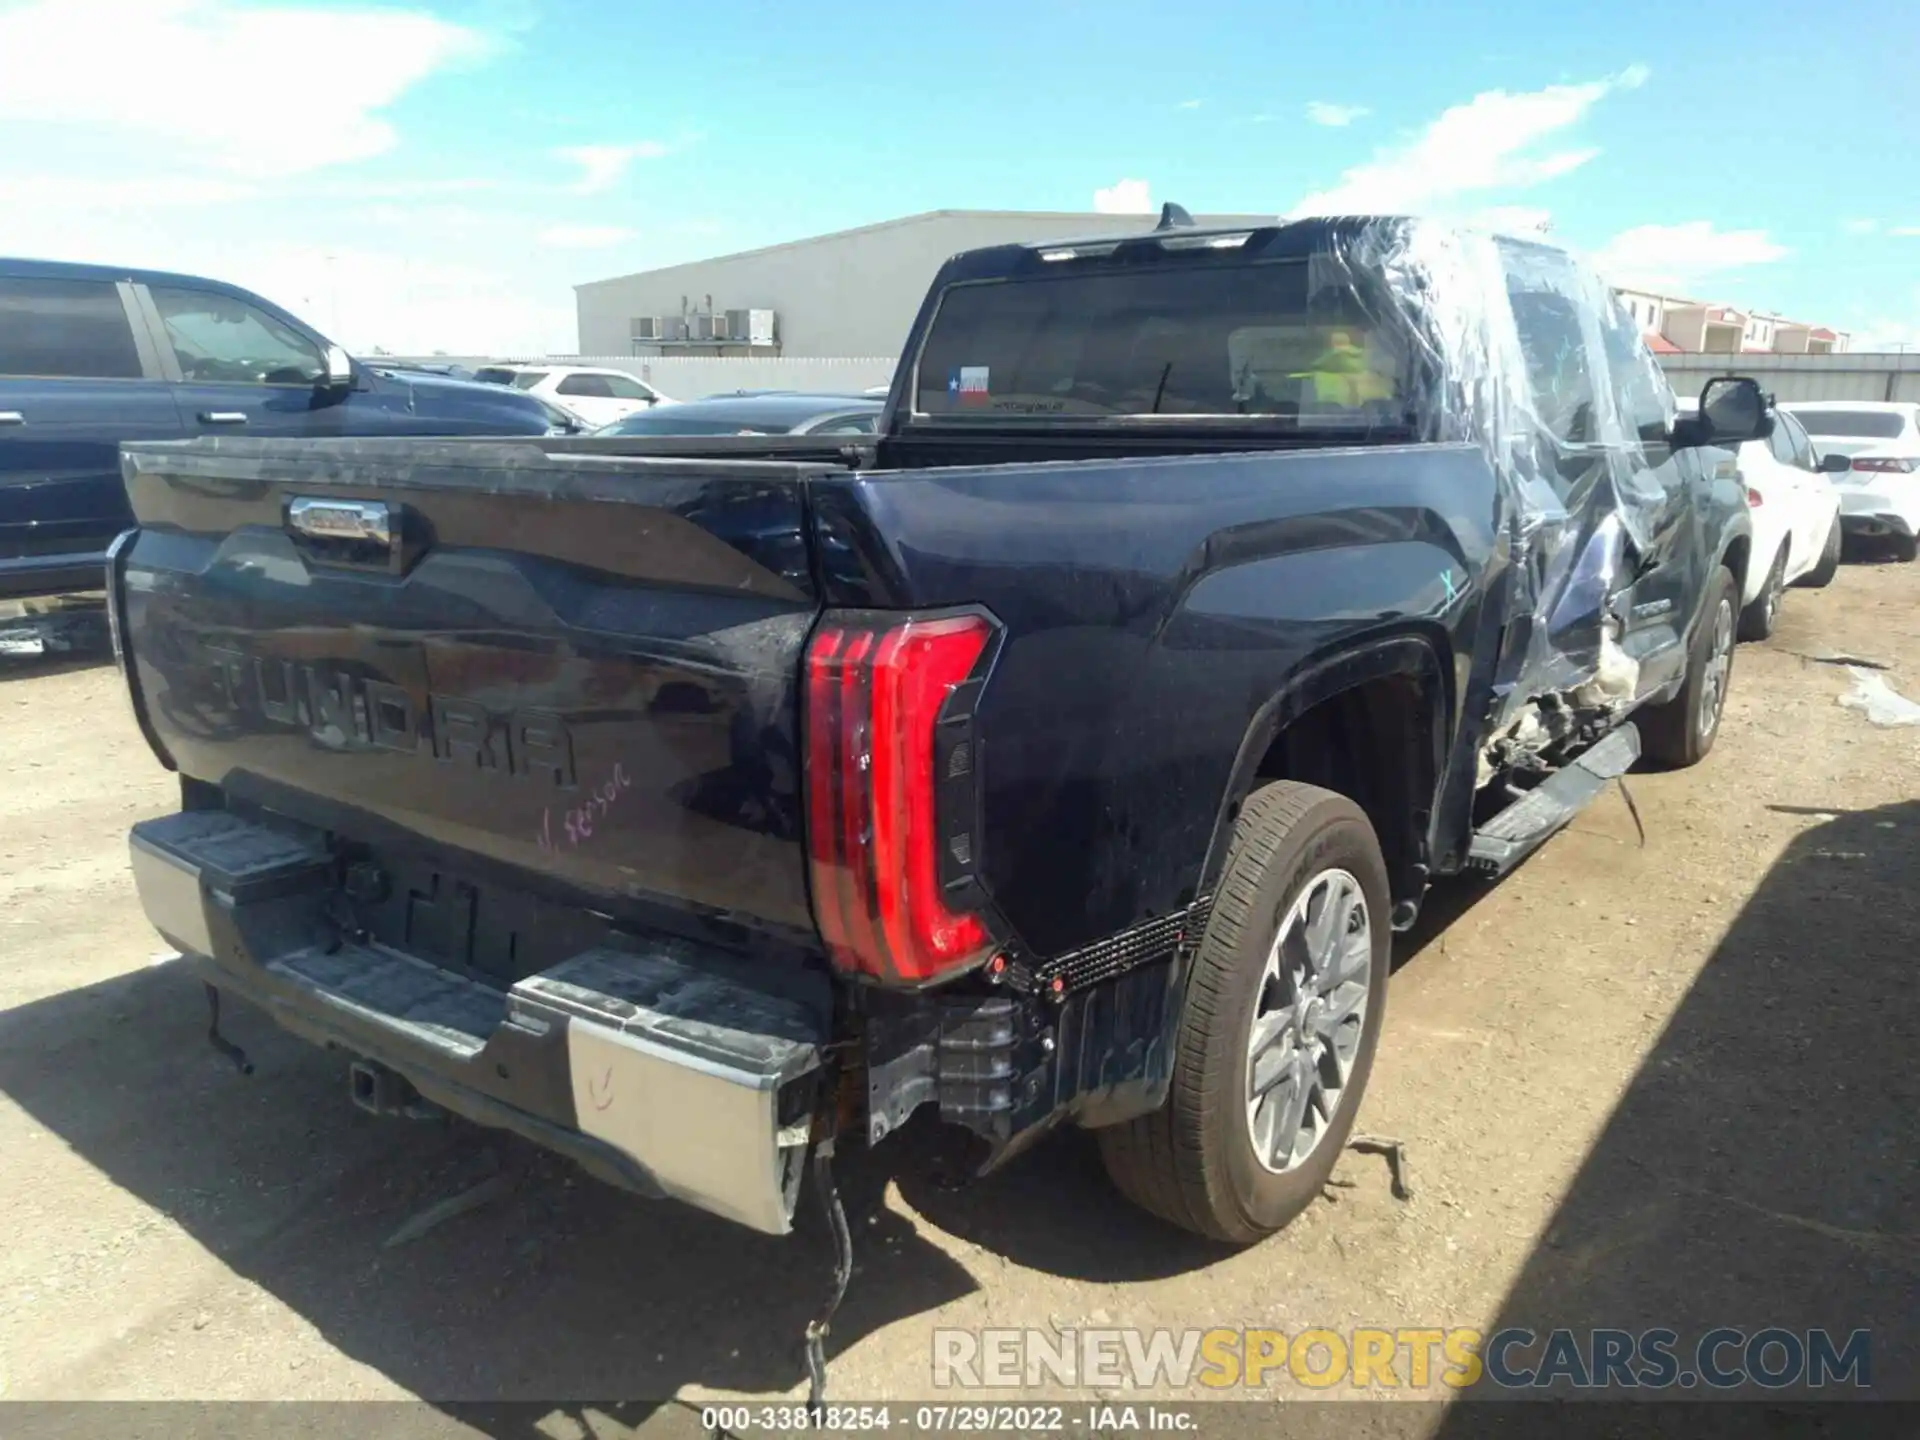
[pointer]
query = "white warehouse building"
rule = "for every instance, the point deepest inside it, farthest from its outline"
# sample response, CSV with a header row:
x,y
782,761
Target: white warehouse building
x,y
851,293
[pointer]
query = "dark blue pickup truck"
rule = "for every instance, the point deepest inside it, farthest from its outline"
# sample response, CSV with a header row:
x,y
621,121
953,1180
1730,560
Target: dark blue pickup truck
x,y
1067,752
91,357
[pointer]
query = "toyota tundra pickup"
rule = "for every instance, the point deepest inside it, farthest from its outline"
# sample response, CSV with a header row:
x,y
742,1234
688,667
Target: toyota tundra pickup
x,y
1066,753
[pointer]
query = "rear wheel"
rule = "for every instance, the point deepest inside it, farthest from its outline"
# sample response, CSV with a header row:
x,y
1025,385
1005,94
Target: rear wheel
x,y
1822,574
1681,732
1283,1011
1905,547
1758,619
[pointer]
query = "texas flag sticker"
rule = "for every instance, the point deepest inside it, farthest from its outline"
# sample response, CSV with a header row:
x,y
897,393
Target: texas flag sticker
x,y
968,385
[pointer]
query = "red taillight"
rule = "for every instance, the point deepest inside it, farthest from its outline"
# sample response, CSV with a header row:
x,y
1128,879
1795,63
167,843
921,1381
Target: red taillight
x,y
875,694
1754,498
1885,464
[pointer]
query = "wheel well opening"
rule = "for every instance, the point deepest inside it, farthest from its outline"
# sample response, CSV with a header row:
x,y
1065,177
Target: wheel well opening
x,y
1373,743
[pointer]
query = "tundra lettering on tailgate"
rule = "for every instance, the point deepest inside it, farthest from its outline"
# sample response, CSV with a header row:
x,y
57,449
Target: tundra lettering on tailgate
x,y
338,707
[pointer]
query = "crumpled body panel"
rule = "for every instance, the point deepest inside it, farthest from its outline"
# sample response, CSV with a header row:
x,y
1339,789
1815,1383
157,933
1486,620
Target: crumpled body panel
x,y
1528,355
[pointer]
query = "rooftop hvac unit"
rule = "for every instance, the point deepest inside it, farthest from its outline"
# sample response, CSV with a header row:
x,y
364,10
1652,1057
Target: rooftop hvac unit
x,y
751,327
703,328
673,327
646,327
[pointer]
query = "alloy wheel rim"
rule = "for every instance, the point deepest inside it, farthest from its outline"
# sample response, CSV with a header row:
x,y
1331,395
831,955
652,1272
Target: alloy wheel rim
x,y
1713,690
1307,1020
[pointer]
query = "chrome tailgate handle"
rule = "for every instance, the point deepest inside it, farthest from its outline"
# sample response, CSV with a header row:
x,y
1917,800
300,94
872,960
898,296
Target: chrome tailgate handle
x,y
363,533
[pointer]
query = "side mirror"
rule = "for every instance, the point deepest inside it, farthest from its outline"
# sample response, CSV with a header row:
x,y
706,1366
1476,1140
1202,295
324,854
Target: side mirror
x,y
1733,410
1832,464
339,374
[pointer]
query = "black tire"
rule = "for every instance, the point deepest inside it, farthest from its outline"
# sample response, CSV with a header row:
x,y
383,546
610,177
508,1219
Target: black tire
x,y
1193,1161
1673,735
1822,574
1905,547
1759,618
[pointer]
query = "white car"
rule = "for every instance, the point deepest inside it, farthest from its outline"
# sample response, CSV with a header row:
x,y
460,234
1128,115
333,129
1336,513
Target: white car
x,y
1880,491
599,397
1796,520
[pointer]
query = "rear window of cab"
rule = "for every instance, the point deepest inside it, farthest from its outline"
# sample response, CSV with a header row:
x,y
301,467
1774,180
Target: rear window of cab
x,y
1221,340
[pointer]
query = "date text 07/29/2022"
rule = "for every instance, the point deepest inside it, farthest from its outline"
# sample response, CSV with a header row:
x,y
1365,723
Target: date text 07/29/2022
x,y
1103,1417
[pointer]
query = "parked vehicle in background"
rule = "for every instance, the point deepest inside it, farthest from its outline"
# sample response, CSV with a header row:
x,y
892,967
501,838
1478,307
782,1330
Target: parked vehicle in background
x,y
599,397
448,368
92,356
1796,518
1880,491
766,412
560,421
1066,753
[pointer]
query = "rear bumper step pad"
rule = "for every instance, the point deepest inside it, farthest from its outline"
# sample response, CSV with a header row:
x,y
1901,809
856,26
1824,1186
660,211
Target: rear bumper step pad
x,y
659,1067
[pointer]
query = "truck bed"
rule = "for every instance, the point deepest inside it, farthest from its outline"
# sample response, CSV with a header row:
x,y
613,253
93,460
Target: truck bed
x,y
575,667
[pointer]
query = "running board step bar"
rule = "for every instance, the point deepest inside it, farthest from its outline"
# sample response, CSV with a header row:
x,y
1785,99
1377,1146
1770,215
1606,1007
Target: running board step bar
x,y
1527,824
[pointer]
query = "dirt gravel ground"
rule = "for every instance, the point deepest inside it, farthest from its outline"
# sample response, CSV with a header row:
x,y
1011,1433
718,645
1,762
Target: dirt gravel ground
x,y
1661,1083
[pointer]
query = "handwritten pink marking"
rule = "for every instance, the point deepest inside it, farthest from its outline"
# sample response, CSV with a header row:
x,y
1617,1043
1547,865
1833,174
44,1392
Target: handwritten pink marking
x,y
577,822
600,1088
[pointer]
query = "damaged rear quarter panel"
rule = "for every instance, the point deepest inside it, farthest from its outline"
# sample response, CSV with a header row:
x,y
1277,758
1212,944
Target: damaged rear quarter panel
x,y
1154,609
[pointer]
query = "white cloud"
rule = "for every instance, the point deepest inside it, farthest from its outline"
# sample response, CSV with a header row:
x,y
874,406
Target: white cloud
x,y
146,192
1322,112
1888,329
367,298
277,167
1877,227
584,237
1511,220
1674,257
267,91
1884,333
604,166
1124,197
1492,142
1189,104
356,188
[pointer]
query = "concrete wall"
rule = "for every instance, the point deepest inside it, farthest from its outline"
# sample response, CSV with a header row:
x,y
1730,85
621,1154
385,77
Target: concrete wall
x,y
1804,377
686,377
851,293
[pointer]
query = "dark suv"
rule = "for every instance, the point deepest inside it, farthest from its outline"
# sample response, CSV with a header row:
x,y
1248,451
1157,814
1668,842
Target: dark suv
x,y
92,356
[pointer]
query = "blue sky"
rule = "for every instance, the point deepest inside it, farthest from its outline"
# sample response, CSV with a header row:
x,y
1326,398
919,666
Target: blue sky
x,y
421,175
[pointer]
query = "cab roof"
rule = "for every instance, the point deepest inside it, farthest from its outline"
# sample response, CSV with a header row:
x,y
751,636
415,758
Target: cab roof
x,y
14,268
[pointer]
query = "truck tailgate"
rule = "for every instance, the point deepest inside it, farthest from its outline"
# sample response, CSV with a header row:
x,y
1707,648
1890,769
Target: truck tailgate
x,y
575,670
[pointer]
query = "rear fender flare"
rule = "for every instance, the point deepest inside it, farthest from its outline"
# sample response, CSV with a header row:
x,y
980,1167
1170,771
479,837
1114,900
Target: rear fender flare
x,y
1403,653
1319,680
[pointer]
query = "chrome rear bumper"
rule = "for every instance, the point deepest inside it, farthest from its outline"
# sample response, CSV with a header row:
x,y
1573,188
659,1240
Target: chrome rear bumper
x,y
661,1067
